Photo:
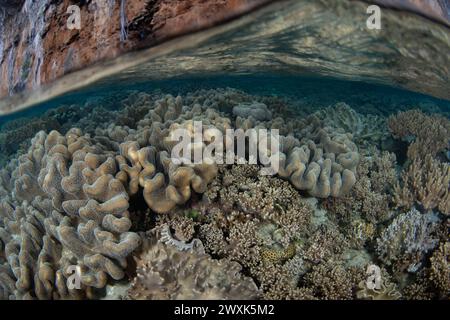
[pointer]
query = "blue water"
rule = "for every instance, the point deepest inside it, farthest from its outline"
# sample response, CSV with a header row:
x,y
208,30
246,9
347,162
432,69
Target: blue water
x,y
383,100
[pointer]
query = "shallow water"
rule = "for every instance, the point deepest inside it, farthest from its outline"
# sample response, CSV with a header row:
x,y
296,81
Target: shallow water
x,y
363,182
306,38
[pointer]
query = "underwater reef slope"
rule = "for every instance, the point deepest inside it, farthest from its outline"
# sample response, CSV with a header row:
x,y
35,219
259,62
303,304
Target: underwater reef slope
x,y
102,196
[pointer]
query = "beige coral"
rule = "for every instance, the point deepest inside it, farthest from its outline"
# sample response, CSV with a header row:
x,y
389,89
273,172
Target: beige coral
x,y
67,210
431,132
366,129
164,272
65,202
440,269
322,163
332,281
323,168
427,183
371,196
175,184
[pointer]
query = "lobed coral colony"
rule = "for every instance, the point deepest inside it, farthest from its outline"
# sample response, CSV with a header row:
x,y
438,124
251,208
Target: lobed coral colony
x,y
93,188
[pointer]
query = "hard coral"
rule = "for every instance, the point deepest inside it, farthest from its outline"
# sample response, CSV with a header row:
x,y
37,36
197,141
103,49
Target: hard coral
x,y
371,196
257,221
242,195
440,269
430,132
332,281
407,239
426,182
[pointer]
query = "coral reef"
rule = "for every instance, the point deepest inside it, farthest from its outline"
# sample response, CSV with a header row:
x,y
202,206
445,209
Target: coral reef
x,y
440,269
66,209
425,182
407,239
429,133
366,129
371,196
166,272
332,281
257,111
105,188
257,221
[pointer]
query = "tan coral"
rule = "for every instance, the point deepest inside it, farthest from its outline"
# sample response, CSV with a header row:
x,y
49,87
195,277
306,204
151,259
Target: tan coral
x,y
135,165
323,169
431,132
315,158
188,274
440,268
174,187
332,281
76,217
427,183
364,128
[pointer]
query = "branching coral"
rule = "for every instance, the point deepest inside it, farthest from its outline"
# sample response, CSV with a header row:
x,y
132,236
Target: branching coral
x,y
257,220
440,269
243,195
430,133
323,244
280,281
407,239
425,182
332,281
426,179
370,202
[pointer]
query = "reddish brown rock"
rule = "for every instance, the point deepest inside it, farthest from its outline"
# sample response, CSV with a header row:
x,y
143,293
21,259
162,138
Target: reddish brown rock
x,y
36,47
